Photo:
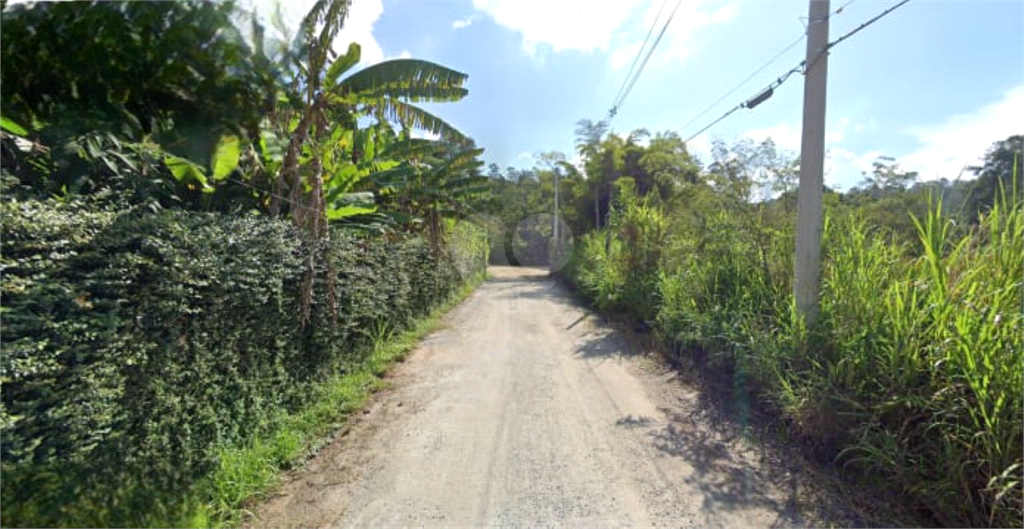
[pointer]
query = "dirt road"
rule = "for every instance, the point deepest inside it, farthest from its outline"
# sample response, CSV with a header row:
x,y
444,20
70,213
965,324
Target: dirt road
x,y
524,412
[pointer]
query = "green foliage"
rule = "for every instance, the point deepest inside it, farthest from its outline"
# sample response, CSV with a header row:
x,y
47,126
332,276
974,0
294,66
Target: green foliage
x,y
132,69
137,344
912,378
247,472
1000,172
142,344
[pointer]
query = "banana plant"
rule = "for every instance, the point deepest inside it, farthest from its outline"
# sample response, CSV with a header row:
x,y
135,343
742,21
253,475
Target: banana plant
x,y
223,162
435,180
322,100
318,108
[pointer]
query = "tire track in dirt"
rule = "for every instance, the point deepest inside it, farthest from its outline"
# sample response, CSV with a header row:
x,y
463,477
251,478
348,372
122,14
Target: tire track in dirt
x,y
526,411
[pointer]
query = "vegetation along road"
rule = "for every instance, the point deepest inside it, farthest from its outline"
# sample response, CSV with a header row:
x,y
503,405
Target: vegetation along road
x,y
527,411
222,225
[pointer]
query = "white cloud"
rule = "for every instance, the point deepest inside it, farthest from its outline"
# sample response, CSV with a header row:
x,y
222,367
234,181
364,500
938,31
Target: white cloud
x,y
845,169
459,24
785,136
861,163
700,147
624,54
405,55
589,25
561,24
678,42
358,27
944,149
963,139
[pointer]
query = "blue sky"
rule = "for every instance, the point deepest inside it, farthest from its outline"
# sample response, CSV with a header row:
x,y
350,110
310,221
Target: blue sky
x,y
933,84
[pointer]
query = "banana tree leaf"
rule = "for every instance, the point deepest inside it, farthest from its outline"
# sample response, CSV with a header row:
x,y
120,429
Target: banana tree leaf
x,y
464,160
394,176
342,181
271,146
377,166
404,149
12,127
348,211
361,198
409,78
465,183
186,171
417,118
342,137
342,64
369,147
225,157
363,144
398,217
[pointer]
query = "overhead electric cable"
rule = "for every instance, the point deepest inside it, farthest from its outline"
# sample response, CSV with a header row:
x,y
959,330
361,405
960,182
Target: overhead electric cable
x,y
759,70
767,92
744,81
615,107
858,28
752,102
639,52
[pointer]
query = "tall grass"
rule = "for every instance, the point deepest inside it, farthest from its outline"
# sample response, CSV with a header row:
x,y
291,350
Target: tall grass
x,y
912,378
945,392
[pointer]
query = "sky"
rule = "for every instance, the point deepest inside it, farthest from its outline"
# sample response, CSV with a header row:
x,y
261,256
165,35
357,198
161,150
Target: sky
x,y
933,84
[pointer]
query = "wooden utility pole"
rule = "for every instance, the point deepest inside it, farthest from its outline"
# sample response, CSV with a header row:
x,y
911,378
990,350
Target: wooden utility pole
x,y
812,160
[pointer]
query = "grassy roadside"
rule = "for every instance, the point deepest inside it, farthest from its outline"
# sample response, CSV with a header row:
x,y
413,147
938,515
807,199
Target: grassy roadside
x,y
247,473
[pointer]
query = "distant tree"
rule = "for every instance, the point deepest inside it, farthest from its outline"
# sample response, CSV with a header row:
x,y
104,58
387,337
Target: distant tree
x,y
589,135
887,177
669,165
997,170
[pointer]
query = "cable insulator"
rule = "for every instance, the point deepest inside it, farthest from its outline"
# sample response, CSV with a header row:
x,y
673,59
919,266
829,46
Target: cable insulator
x,y
759,98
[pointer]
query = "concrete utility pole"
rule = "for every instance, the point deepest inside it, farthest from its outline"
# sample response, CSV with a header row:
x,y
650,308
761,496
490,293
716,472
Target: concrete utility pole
x,y
554,228
809,222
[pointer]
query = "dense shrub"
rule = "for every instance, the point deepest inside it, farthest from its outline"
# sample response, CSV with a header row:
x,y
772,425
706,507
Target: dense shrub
x,y
136,344
913,377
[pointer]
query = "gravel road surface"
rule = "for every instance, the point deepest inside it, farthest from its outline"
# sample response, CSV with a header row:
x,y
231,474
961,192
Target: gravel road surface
x,y
527,411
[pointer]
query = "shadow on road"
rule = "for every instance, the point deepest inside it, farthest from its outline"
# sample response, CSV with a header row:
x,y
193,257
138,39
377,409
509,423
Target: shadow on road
x,y
704,427
726,481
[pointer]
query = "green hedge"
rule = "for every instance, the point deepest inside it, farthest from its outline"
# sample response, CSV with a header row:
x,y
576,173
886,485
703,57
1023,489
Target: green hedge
x,y
135,344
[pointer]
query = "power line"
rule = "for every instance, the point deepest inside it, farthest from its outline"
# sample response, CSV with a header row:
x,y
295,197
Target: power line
x,y
752,102
615,107
842,7
763,67
858,28
639,52
744,81
650,52
767,92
